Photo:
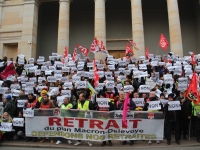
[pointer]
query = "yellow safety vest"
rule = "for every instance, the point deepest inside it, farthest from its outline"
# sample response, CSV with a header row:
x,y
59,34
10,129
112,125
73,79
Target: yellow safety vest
x,y
196,108
64,112
62,106
85,105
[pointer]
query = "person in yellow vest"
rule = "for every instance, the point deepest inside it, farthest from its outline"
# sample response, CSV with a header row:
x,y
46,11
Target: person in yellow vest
x,y
65,106
83,105
6,118
196,116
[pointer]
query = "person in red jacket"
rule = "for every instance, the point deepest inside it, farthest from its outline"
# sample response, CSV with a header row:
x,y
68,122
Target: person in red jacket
x,y
31,103
45,104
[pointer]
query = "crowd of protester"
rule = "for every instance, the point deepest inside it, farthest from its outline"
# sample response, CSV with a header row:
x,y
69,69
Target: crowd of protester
x,y
177,122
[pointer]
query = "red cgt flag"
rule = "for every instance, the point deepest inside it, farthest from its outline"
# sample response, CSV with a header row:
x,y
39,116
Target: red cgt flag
x,y
163,42
193,61
103,48
74,54
147,53
192,92
133,44
8,71
65,54
94,46
96,76
83,50
129,52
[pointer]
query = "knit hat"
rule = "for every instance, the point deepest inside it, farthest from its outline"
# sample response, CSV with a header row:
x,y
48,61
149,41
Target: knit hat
x,y
8,97
44,92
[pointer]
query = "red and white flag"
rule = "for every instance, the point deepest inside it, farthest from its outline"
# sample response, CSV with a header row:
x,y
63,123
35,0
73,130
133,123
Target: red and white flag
x,y
96,76
193,61
163,42
74,54
103,48
83,50
8,71
65,54
133,44
129,52
94,46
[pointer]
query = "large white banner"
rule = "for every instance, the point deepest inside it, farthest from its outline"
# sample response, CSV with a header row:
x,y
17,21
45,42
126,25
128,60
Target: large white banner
x,y
107,126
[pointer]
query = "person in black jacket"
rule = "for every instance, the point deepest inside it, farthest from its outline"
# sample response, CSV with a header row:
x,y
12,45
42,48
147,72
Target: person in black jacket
x,y
9,106
186,113
172,118
120,106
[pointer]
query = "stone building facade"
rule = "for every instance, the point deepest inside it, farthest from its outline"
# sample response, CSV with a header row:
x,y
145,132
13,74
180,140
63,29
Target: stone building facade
x,y
39,27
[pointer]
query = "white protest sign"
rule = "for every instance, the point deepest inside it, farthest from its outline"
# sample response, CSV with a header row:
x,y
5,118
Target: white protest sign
x,y
53,91
64,79
188,72
183,80
100,86
168,80
90,64
110,84
37,72
128,88
144,89
154,63
111,67
28,90
28,112
174,105
100,66
182,87
138,101
5,126
3,90
15,93
150,82
131,66
39,88
154,105
33,79
122,78
68,85
158,92
161,63
76,78
100,73
58,76
30,84
51,79
102,102
81,85
141,57
65,69
67,93
18,122
142,67
15,86
48,72
108,73
60,99
21,103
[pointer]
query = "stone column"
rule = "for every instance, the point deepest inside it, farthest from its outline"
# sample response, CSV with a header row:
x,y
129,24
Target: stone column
x,y
27,46
174,28
63,26
1,4
137,27
100,25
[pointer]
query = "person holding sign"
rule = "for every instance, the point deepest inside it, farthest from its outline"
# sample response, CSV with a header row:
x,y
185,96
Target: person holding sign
x,y
31,103
45,104
110,107
152,105
130,106
83,105
65,106
172,118
6,118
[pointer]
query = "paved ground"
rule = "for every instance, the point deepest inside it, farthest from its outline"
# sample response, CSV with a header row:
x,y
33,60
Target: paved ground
x,y
23,145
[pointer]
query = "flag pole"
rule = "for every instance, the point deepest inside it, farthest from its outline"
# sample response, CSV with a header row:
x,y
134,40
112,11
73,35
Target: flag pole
x,y
157,50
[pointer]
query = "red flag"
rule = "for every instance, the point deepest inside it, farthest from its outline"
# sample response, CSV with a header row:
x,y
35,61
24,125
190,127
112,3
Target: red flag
x,y
147,53
8,71
65,54
133,44
129,52
193,59
103,48
163,42
96,76
192,92
84,51
125,108
164,59
94,46
74,54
